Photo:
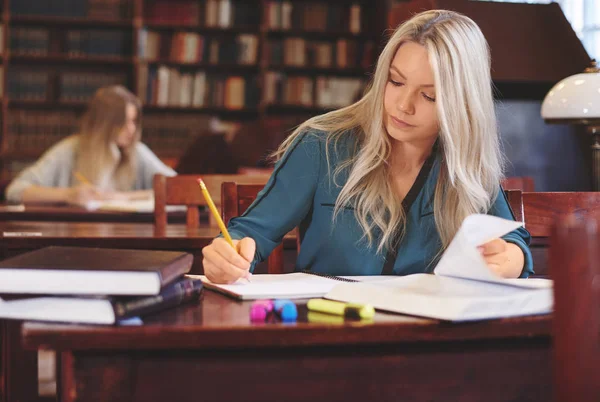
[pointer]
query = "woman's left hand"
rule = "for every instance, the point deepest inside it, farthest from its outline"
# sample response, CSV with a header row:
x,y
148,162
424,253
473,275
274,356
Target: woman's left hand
x,y
504,259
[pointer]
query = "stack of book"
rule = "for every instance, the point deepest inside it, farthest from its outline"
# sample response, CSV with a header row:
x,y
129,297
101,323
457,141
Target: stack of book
x,y
94,285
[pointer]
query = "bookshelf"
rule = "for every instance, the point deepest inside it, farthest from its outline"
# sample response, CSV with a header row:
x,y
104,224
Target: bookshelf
x,y
240,60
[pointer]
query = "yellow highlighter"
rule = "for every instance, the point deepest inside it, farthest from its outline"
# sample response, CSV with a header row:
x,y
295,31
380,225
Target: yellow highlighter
x,y
213,209
349,310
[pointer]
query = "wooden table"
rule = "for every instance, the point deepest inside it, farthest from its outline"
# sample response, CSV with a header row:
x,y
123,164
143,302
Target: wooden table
x,y
210,351
74,214
18,367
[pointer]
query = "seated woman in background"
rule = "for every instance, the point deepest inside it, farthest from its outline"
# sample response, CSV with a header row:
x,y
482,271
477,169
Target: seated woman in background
x,y
105,161
383,185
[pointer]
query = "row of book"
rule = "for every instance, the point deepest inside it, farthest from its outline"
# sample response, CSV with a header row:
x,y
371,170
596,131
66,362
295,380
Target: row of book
x,y
34,41
164,86
28,85
94,42
111,285
165,133
39,129
285,15
98,43
80,87
170,134
73,86
300,52
187,47
208,13
101,9
323,92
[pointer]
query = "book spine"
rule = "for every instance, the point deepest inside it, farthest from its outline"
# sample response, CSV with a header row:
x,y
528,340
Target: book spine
x,y
181,292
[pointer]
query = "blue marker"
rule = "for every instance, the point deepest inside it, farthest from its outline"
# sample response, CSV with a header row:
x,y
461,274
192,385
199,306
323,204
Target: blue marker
x,y
285,309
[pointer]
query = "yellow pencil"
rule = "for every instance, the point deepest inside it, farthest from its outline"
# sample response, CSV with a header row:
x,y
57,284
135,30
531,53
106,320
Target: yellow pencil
x,y
213,209
82,178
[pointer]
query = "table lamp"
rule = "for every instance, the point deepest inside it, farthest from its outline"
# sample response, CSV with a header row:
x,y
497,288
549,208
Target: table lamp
x,y
576,100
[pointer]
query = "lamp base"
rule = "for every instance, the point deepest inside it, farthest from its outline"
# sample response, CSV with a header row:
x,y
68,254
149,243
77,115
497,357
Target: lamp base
x,y
595,132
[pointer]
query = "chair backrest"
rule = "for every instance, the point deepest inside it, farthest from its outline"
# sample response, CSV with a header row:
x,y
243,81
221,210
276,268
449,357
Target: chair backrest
x,y
184,190
575,262
541,209
523,183
235,199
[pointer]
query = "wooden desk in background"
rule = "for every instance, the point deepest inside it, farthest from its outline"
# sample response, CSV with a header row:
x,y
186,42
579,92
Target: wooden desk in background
x,y
210,351
74,214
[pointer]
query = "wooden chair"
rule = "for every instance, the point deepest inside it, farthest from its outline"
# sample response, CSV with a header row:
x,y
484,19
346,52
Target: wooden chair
x,y
235,199
575,262
542,209
523,183
184,190
539,211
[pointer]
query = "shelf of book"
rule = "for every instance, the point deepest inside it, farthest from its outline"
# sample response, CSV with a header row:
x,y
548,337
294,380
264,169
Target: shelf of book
x,y
70,59
244,113
73,22
236,30
320,34
315,71
45,104
225,58
213,67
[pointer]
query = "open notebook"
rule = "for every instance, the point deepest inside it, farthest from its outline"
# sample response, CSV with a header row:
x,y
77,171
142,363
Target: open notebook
x,y
462,289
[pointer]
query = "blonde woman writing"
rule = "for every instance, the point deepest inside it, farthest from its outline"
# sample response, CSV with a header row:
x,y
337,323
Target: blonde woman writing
x,y
106,160
382,186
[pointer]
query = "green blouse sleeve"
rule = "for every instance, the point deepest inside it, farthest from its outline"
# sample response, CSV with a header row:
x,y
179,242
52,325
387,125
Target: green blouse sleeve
x,y
286,198
520,237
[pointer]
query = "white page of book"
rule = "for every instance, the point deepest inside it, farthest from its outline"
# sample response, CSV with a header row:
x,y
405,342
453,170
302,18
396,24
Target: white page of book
x,y
462,259
294,285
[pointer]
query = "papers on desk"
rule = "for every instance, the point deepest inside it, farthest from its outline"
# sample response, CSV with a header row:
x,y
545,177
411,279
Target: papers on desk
x,y
462,289
298,285
140,206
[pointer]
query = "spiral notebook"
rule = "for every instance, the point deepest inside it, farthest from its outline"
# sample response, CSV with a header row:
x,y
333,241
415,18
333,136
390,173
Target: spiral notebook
x,y
462,289
298,285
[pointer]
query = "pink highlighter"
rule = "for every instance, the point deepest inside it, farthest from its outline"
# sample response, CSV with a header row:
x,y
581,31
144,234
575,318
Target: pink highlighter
x,y
260,310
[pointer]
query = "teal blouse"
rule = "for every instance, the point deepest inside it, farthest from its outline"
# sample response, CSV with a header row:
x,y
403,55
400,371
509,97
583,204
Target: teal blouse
x,y
301,193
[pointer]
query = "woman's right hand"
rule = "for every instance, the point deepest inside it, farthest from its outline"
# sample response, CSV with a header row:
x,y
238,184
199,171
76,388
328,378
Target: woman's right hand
x,y
83,194
224,264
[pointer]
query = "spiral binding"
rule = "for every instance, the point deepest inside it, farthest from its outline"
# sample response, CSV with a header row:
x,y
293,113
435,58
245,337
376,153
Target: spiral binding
x,y
335,278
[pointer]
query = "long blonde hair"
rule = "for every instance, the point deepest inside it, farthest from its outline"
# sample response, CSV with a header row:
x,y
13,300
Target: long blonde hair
x,y
471,161
100,127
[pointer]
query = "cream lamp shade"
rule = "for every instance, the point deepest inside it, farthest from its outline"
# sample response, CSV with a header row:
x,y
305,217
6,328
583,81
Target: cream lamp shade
x,y
576,100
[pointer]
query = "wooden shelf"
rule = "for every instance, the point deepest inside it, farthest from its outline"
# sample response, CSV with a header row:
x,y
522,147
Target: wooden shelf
x,y
321,35
69,22
246,29
297,109
220,111
45,104
63,58
312,71
237,68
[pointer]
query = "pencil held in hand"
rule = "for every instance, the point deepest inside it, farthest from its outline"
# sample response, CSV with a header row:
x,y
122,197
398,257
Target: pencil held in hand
x,y
81,178
213,209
